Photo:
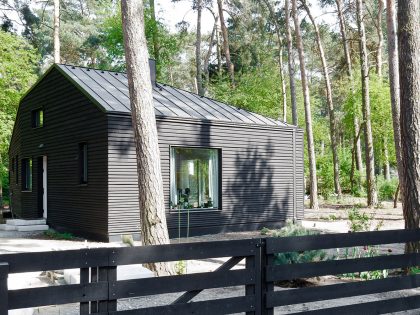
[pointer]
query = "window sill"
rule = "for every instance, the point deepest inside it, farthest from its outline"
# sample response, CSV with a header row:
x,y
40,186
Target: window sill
x,y
26,191
195,210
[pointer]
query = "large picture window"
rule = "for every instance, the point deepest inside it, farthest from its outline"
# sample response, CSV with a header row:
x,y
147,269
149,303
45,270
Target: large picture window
x,y
194,178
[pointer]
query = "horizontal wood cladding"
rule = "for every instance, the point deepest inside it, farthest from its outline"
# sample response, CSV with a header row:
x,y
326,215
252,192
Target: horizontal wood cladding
x,y
257,174
69,119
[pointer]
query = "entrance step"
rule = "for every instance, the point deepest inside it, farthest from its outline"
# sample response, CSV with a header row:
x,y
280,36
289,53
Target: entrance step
x,y
22,222
6,227
32,228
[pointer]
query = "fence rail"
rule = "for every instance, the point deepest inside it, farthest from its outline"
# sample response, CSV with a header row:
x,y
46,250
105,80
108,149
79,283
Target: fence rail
x,y
99,290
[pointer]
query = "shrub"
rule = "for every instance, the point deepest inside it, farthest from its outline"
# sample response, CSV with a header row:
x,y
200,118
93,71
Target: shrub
x,y
359,221
297,257
386,188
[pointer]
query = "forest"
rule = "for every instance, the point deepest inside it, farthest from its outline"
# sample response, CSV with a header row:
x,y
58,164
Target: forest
x,y
328,66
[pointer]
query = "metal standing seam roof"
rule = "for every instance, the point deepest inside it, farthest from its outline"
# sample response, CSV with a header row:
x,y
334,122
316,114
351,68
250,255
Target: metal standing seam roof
x,y
110,91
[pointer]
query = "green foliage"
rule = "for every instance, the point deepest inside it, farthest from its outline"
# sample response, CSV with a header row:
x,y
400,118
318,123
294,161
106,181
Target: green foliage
x,y
258,90
297,257
359,221
181,267
325,172
18,71
386,188
54,235
169,44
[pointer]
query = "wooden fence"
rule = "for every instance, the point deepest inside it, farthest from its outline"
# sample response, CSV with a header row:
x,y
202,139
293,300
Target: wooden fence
x,y
99,290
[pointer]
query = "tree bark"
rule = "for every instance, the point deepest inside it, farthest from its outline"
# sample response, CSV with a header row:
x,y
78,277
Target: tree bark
x,y
331,109
358,149
280,59
409,72
291,65
199,75
380,39
207,57
308,115
226,50
155,36
372,198
394,84
387,170
151,203
57,58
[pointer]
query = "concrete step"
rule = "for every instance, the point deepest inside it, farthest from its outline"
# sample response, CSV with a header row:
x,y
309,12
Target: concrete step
x,y
7,227
21,222
31,228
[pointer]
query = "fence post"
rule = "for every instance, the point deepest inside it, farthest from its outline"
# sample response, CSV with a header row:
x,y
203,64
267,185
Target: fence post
x,y
266,287
108,274
84,279
4,273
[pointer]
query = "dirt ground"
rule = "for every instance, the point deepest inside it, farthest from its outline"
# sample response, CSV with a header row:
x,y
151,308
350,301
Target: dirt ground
x,y
332,217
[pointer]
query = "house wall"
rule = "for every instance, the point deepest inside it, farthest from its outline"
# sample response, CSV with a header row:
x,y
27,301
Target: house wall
x,y
69,118
257,175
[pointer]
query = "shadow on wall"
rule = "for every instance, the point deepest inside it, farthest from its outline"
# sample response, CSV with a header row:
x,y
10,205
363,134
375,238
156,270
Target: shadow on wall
x,y
257,194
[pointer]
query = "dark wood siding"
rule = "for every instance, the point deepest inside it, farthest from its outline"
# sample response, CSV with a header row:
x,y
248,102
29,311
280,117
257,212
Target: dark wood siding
x,y
69,119
257,174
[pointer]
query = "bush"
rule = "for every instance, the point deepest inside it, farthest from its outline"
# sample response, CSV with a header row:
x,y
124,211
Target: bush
x,y
297,257
386,188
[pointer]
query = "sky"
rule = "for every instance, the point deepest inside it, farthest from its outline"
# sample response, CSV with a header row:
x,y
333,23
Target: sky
x,y
172,13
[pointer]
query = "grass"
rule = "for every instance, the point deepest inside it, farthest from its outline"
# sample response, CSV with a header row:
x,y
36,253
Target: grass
x,y
54,235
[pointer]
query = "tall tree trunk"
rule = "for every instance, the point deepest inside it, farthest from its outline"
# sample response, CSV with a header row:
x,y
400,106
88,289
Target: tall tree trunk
x,y
372,198
226,50
219,52
155,36
291,65
357,148
331,109
207,57
380,39
199,74
409,69
151,203
387,170
280,58
394,84
308,115
57,31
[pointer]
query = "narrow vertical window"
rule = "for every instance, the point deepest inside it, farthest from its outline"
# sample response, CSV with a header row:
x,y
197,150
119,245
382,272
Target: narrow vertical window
x,y
37,118
26,174
17,169
83,163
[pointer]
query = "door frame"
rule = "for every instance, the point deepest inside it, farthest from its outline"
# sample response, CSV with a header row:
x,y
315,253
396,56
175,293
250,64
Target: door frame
x,y
44,187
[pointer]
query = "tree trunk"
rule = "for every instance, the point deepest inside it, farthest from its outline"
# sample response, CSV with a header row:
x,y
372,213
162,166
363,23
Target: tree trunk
x,y
155,36
199,76
372,198
219,52
291,65
229,64
207,57
308,114
409,71
358,149
387,171
57,31
331,109
380,39
151,203
394,84
280,58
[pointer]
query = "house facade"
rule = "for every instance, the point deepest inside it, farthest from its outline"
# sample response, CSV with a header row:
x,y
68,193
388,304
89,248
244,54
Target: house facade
x,y
72,159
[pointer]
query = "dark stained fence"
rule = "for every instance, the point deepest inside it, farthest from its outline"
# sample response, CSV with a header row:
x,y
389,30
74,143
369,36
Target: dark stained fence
x,y
281,298
99,290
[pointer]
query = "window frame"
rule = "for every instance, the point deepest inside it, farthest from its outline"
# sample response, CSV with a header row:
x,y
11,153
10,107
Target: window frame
x,y
83,163
220,179
27,186
34,118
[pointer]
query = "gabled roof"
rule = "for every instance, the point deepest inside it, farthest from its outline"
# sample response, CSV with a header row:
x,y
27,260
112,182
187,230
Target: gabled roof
x,y
109,90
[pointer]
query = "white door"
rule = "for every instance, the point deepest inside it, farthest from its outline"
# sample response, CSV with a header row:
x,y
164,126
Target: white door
x,y
44,186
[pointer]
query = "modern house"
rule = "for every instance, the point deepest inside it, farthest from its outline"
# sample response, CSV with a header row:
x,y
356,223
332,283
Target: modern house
x,y
72,159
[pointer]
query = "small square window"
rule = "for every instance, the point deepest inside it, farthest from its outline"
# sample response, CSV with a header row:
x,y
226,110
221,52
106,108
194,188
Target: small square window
x,y
195,179
37,118
83,163
26,174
